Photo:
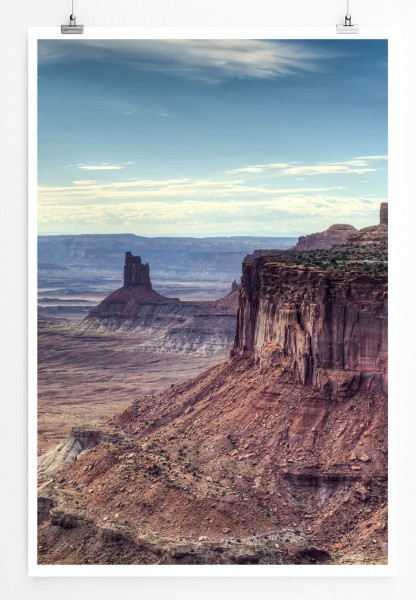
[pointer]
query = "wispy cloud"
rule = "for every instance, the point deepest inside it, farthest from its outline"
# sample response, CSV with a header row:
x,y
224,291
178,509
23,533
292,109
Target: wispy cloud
x,y
304,212
103,167
327,169
85,182
203,189
209,60
375,157
192,206
357,165
258,168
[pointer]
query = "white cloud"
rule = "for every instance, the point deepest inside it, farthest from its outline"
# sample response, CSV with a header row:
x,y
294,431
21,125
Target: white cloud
x,y
209,60
258,168
376,157
188,216
202,189
358,165
230,205
85,182
101,167
197,207
329,169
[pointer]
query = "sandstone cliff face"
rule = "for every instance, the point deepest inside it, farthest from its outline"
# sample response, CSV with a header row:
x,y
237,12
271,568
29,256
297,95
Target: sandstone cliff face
x,y
328,330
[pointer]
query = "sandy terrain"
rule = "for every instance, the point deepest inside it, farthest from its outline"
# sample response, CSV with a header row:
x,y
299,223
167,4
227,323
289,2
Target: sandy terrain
x,y
81,379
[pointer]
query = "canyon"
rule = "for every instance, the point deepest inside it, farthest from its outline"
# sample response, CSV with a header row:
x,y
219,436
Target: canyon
x,y
277,455
135,341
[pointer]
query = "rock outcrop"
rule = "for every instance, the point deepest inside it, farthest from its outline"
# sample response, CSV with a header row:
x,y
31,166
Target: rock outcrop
x,y
339,234
375,234
230,302
137,291
333,236
164,324
80,440
328,329
135,273
384,213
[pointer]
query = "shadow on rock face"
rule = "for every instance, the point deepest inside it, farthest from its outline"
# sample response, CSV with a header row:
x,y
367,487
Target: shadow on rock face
x,y
313,556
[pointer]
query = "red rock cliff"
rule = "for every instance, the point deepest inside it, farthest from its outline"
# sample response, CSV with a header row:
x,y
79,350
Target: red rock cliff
x,y
326,329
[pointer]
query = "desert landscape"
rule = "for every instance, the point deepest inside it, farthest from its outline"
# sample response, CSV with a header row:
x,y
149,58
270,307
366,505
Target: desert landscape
x,y
212,270
277,455
92,361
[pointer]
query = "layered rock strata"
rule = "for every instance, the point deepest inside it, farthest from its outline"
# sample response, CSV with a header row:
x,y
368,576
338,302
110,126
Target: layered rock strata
x,y
329,330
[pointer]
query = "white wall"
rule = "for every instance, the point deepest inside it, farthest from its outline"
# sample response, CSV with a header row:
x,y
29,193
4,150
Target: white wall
x,y
16,17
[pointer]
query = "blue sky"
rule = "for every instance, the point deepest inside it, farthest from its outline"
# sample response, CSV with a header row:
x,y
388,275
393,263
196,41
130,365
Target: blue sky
x,y
210,137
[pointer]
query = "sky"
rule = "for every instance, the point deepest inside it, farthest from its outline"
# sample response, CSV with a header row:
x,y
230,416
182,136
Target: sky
x,y
210,137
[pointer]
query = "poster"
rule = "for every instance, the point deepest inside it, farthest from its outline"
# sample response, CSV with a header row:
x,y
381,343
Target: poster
x,y
211,233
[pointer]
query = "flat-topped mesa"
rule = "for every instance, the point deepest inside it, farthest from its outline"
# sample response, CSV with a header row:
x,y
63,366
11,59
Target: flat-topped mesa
x,y
326,329
136,273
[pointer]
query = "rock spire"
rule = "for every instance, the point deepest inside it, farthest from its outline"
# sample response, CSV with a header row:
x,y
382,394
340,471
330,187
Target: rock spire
x,y
136,273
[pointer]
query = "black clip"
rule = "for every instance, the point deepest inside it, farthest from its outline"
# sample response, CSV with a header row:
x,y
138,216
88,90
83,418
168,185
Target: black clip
x,y
72,27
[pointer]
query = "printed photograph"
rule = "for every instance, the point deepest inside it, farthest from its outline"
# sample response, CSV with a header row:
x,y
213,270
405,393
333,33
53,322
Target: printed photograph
x,y
212,302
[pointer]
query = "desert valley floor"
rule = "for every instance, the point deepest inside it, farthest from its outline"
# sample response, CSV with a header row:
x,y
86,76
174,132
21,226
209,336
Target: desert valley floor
x,y
84,377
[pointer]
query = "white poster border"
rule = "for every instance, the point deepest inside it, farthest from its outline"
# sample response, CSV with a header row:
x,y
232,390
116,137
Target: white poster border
x,y
395,128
